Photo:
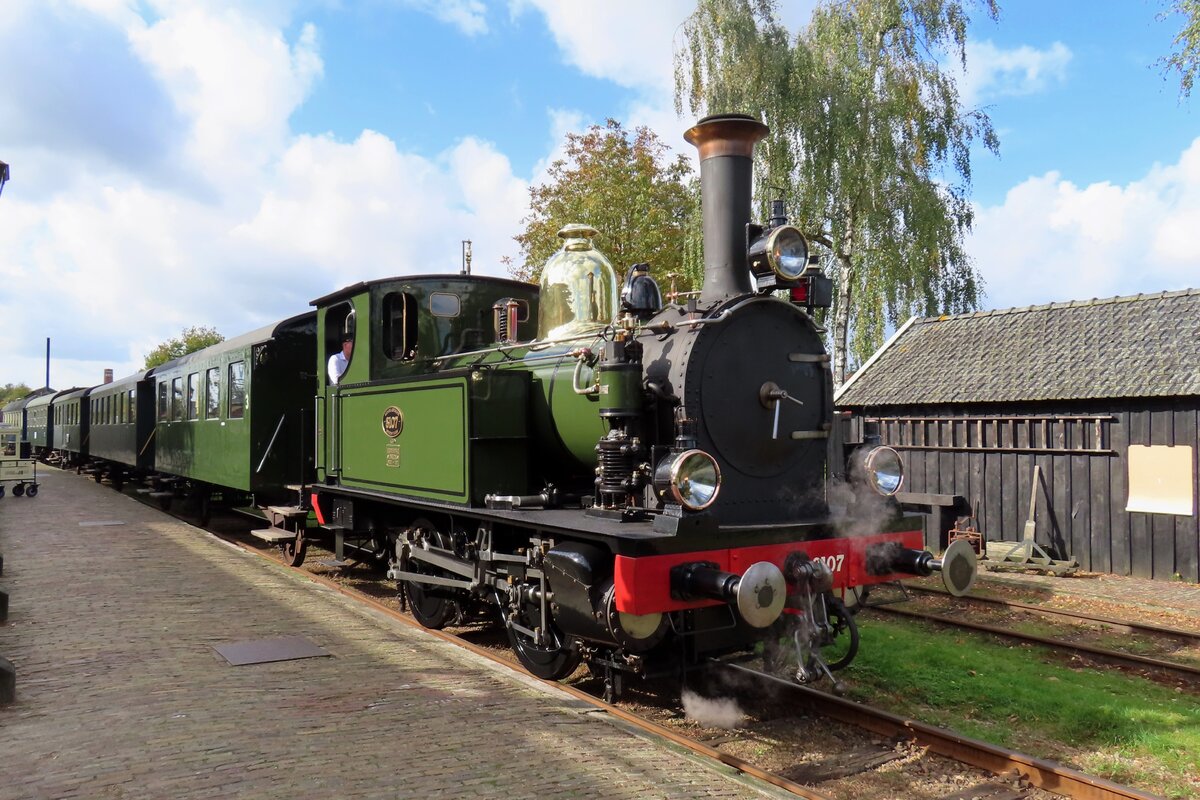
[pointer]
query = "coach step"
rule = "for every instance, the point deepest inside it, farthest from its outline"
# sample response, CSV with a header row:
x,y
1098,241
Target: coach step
x,y
274,535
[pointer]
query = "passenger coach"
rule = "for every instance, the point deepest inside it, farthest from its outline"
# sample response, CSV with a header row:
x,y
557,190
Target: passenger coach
x,y
233,421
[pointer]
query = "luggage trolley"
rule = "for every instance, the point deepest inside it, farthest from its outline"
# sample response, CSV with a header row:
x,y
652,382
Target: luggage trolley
x,y
22,473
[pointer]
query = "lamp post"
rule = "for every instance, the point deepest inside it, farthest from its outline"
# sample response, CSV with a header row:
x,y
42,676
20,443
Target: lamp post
x,y
3,176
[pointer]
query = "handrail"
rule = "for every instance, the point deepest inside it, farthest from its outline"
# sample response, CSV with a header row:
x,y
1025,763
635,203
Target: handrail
x,y
271,444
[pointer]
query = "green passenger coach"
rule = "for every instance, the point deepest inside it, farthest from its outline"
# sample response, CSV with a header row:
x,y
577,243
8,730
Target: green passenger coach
x,y
235,419
121,437
69,435
39,424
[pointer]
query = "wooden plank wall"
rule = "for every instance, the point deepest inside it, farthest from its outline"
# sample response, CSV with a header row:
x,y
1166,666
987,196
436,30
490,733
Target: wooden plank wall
x,y
1081,501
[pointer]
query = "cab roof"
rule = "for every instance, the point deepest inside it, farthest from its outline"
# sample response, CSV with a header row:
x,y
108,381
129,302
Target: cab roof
x,y
448,277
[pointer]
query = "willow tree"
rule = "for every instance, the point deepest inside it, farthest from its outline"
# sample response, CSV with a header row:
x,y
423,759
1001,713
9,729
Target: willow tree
x,y
870,144
626,187
1185,56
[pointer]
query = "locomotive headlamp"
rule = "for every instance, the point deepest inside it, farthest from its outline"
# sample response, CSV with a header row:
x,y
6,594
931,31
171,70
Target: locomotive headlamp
x,y
882,468
782,253
691,478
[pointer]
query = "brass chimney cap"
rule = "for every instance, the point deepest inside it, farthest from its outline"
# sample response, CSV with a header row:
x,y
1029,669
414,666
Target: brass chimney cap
x,y
726,135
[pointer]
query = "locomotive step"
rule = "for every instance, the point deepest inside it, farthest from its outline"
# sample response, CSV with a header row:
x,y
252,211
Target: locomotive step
x,y
143,491
161,494
291,512
274,535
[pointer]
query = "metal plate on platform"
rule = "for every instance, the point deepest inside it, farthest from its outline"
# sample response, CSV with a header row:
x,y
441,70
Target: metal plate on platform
x,y
101,523
263,651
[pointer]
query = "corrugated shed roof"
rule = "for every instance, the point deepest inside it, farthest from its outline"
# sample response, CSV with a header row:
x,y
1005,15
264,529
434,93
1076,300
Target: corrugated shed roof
x,y
1147,345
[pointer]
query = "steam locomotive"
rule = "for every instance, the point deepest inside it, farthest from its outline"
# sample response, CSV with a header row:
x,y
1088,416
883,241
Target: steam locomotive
x,y
638,484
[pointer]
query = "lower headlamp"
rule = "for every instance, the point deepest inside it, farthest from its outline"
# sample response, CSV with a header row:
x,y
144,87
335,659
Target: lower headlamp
x,y
881,467
691,478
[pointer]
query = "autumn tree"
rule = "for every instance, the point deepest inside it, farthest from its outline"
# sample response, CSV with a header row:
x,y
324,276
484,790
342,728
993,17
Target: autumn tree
x,y
1185,58
191,340
870,144
626,187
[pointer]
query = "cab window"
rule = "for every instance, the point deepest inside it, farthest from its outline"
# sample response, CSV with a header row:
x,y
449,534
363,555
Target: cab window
x,y
177,398
340,324
400,326
444,304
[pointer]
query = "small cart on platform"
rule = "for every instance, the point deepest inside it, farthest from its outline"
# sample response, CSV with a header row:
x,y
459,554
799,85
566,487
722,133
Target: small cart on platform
x,y
21,473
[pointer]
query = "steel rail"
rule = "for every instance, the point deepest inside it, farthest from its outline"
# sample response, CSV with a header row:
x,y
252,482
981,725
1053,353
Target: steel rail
x,y
1110,655
1125,626
1042,773
643,724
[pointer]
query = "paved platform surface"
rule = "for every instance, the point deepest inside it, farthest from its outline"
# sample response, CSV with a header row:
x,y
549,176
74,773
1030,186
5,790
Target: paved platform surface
x,y
121,695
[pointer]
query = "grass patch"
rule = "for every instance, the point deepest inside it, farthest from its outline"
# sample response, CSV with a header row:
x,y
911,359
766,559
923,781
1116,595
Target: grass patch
x,y
1025,697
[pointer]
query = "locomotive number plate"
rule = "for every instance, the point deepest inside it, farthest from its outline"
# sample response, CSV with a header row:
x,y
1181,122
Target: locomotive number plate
x,y
393,422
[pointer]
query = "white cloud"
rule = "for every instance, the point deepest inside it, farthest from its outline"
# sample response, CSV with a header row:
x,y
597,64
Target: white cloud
x,y
618,40
222,216
237,80
996,72
469,16
1053,240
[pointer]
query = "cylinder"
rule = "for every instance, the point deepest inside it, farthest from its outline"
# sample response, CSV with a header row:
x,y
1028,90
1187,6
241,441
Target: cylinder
x,y
726,144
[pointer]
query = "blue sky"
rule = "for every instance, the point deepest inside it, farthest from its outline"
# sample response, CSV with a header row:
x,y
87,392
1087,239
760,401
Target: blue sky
x,y
179,162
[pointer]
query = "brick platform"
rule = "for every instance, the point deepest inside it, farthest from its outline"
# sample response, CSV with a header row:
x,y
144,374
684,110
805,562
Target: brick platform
x,y
121,695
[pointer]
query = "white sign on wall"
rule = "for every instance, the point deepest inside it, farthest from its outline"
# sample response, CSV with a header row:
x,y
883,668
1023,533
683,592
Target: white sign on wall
x,y
1161,480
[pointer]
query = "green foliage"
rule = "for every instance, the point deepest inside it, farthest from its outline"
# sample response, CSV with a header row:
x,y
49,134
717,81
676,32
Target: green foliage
x,y
13,391
622,186
869,143
1185,59
1034,700
191,340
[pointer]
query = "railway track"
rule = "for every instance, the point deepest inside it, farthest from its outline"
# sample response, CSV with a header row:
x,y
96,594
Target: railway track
x,y
1124,626
1016,771
1041,773
1185,671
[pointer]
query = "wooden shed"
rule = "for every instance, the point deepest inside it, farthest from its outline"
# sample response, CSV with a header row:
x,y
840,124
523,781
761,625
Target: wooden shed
x,y
1102,395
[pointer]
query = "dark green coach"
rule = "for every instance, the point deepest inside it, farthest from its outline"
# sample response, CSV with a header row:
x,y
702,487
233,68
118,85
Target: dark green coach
x,y
236,418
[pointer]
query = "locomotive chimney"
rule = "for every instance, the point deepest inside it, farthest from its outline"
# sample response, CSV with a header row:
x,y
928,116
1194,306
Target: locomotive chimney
x,y
108,375
726,144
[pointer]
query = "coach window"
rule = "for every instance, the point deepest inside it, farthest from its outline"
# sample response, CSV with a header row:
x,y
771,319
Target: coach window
x,y
133,405
212,393
119,399
400,326
237,390
177,398
164,405
193,396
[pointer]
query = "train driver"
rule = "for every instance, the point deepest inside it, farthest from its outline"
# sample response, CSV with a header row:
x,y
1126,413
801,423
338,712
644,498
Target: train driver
x,y
339,361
